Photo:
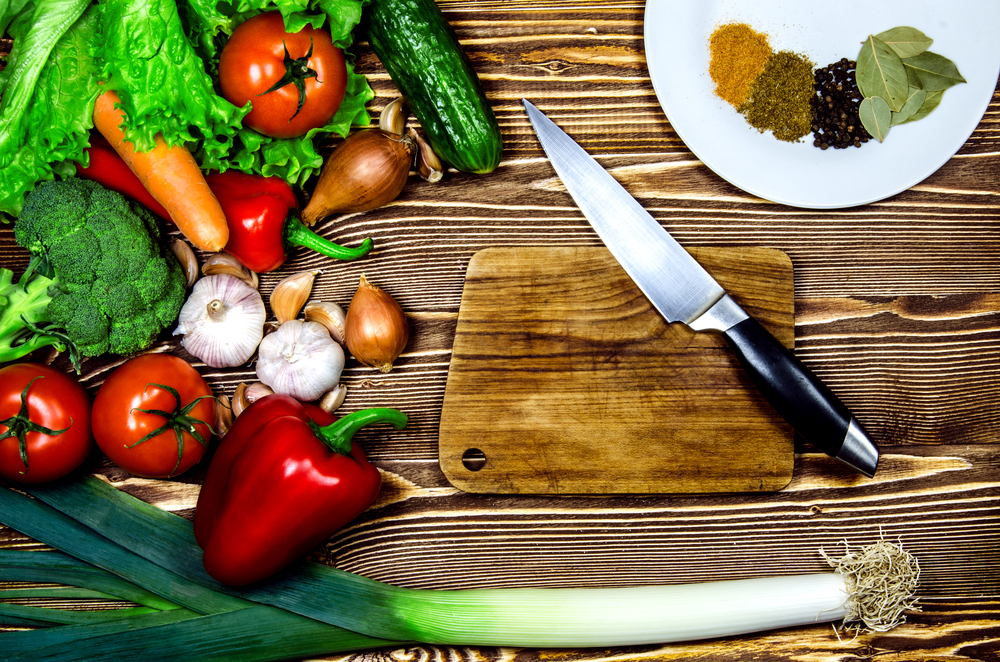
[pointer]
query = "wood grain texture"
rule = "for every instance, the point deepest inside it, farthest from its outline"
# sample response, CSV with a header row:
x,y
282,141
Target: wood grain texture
x,y
564,379
897,308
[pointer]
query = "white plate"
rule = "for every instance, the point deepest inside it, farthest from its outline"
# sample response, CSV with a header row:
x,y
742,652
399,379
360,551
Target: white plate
x,y
798,174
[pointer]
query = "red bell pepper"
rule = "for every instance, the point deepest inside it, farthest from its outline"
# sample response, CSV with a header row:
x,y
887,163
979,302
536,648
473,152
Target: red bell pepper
x,y
108,168
285,477
261,225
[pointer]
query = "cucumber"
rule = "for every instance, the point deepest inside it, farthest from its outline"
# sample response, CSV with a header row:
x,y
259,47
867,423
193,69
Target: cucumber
x,y
419,49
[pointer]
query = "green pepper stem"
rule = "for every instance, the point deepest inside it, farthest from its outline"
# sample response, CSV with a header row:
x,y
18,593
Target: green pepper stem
x,y
298,234
338,435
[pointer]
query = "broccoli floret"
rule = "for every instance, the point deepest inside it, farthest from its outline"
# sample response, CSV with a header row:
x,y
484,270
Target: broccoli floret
x,y
99,279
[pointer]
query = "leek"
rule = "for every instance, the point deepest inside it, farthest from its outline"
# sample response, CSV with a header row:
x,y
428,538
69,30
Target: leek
x,y
508,617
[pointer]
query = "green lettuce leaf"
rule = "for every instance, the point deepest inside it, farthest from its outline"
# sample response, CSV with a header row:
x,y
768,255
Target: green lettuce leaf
x,y
163,83
48,87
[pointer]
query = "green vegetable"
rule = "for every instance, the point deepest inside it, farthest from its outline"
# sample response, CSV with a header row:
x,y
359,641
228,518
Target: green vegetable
x,y
99,279
420,51
99,524
47,92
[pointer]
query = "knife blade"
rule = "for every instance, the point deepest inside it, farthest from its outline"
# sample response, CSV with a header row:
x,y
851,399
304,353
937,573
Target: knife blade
x,y
682,291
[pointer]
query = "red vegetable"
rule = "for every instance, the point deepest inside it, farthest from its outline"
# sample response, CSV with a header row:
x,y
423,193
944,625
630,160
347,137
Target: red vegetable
x,y
295,81
44,423
154,415
108,168
262,226
285,477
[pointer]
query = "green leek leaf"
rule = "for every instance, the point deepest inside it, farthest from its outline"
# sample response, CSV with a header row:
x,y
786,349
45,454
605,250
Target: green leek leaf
x,y
256,634
71,616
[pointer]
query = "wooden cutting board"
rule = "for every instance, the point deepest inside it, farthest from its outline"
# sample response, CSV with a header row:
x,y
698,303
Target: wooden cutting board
x,y
565,380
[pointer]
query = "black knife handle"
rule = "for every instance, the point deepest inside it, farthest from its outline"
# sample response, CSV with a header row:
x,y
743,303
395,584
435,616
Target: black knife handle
x,y
796,393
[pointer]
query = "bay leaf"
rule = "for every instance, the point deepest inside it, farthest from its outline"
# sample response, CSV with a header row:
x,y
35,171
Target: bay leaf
x,y
936,72
875,116
905,41
931,101
880,73
913,103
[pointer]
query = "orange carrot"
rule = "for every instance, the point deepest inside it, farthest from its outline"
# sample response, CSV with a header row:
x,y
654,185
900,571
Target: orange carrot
x,y
172,177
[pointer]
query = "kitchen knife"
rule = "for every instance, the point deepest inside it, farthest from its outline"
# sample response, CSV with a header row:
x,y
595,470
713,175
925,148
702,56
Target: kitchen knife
x,y
684,292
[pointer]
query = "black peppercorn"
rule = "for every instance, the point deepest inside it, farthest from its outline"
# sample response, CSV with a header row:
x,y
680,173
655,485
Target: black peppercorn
x,y
835,121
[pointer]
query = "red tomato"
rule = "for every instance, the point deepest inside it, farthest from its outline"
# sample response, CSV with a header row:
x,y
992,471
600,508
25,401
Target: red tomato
x,y
254,59
120,426
54,401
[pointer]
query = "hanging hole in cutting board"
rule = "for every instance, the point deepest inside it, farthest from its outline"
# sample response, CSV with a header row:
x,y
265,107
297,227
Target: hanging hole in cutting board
x,y
474,459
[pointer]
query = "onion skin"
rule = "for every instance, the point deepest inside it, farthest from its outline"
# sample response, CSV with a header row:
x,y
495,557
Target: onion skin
x,y
376,328
369,169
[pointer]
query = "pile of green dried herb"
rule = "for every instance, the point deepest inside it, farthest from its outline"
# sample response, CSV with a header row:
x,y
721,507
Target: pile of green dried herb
x,y
779,97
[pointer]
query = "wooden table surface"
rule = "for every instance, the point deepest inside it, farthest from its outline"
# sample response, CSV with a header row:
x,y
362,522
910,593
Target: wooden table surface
x,y
897,308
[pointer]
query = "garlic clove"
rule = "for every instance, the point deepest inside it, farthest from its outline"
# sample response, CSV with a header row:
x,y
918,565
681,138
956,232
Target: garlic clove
x,y
225,264
291,294
256,391
224,415
185,255
222,321
239,399
332,399
393,117
330,315
300,359
376,327
245,395
429,165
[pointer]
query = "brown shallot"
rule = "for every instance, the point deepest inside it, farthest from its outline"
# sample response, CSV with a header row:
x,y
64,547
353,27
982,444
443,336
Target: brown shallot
x,y
369,169
376,328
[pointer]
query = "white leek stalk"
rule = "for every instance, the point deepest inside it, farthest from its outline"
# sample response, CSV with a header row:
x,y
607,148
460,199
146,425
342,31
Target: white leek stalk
x,y
577,617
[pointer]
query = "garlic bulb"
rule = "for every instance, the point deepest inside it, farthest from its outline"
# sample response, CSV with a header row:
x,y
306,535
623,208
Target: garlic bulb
x,y
222,321
300,359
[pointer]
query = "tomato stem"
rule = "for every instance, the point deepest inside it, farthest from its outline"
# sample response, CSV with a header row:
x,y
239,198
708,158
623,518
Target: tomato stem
x,y
179,420
296,72
20,425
